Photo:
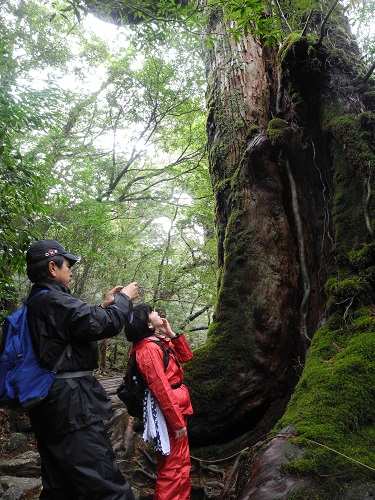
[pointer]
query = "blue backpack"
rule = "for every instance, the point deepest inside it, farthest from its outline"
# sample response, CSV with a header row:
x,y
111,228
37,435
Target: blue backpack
x,y
23,381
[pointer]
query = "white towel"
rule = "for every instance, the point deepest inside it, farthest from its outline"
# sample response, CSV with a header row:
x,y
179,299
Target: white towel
x,y
155,426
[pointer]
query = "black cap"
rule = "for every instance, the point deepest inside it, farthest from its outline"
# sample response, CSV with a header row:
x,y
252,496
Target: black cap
x,y
46,249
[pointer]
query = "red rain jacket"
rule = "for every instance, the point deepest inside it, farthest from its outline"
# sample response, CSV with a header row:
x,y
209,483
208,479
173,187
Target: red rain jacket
x,y
174,403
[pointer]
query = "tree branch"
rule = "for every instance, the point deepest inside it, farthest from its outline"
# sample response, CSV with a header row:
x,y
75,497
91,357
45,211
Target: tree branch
x,y
319,42
190,318
307,23
282,15
369,73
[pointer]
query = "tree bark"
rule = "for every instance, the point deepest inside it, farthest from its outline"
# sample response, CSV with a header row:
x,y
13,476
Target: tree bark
x,y
254,337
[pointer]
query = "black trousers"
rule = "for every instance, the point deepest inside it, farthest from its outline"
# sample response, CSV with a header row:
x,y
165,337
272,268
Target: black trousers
x,y
81,465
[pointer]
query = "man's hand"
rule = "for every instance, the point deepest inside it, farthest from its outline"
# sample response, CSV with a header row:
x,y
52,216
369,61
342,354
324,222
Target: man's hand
x,y
110,295
131,290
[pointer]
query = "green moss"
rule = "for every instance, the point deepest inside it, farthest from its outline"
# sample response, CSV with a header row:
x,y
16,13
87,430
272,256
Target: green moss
x,y
239,124
366,119
369,274
288,44
299,52
366,122
345,129
226,346
229,129
369,98
278,123
311,51
363,321
348,292
364,257
351,155
251,131
208,387
347,288
278,131
222,186
343,53
332,408
296,99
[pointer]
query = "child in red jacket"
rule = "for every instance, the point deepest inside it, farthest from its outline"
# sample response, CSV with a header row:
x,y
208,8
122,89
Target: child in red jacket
x,y
172,396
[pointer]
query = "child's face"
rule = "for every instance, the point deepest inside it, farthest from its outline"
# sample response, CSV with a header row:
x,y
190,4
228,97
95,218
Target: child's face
x,y
155,320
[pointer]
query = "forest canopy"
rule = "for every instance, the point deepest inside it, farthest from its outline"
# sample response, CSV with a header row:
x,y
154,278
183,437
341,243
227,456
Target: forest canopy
x,y
103,149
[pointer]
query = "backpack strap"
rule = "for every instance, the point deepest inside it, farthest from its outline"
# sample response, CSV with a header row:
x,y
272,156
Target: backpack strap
x,y
170,350
39,292
165,353
78,374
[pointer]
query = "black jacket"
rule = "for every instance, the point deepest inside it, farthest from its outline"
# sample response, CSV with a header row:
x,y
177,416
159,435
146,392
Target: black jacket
x,y
56,319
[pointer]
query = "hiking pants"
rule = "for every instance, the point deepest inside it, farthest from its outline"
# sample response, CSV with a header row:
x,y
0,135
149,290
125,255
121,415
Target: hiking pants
x,y
173,477
81,465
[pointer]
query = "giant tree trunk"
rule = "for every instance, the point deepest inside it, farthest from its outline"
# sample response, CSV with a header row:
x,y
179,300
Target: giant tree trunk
x,y
256,342
291,173
291,147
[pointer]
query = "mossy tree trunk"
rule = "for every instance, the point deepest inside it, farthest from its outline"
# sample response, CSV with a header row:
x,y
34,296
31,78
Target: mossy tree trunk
x,y
290,164
291,147
243,376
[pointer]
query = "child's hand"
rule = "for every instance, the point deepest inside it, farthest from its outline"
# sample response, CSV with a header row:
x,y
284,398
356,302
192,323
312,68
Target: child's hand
x,y
166,329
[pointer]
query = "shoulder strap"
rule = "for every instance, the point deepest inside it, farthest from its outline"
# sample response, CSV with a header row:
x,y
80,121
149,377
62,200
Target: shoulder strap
x,y
165,353
39,292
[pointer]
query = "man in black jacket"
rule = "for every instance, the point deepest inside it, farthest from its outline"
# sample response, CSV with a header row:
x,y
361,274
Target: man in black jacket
x,y
77,458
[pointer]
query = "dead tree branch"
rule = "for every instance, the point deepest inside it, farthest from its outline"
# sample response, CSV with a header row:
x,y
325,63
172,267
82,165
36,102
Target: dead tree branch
x,y
318,44
369,72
